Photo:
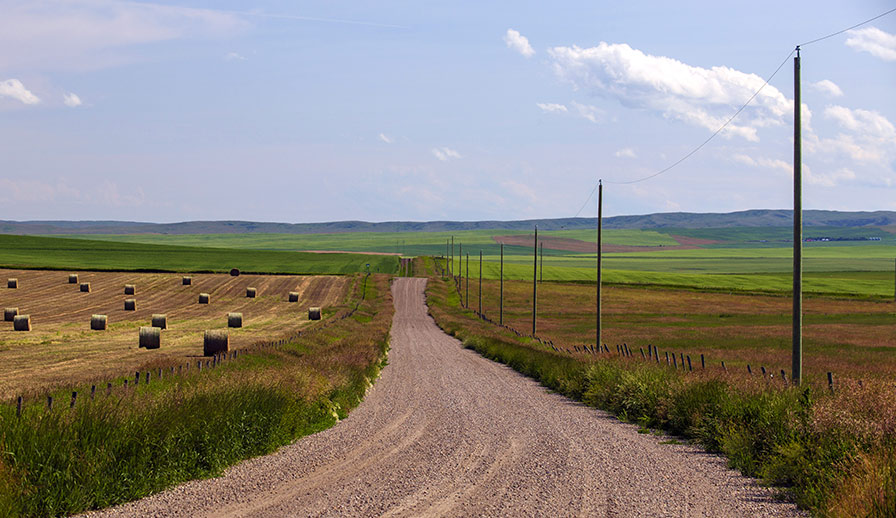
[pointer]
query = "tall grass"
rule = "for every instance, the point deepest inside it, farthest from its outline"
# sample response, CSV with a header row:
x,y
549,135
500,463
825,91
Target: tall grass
x,y
127,445
833,454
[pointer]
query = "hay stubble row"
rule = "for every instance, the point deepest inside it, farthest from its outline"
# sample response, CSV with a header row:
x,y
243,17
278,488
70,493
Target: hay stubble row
x,y
62,348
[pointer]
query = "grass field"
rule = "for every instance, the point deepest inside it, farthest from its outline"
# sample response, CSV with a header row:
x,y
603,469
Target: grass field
x,y
61,349
78,254
742,259
851,338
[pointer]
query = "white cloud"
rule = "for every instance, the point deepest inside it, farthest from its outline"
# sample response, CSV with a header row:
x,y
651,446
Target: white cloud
x,y
827,87
235,56
829,178
765,163
552,107
89,34
873,41
705,97
385,138
71,99
445,154
587,111
15,89
626,152
866,136
519,43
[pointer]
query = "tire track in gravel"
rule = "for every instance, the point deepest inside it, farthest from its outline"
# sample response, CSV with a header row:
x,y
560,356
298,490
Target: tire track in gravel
x,y
445,432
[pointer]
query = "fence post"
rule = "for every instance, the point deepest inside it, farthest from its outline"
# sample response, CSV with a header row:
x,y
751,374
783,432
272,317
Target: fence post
x,y
19,406
92,391
749,370
49,402
702,362
74,398
108,388
831,382
724,367
690,369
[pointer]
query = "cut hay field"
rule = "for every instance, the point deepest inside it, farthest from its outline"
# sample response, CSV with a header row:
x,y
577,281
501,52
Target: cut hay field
x,y
61,349
853,338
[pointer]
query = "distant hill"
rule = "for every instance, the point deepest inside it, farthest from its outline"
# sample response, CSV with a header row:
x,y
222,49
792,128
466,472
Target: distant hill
x,y
684,220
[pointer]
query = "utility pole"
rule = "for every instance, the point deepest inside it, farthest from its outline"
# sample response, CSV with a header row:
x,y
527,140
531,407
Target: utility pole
x,y
467,303
534,280
480,283
447,267
600,214
797,359
501,314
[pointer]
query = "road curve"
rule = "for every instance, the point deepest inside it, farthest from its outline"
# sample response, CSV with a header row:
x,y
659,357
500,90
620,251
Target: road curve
x,y
445,432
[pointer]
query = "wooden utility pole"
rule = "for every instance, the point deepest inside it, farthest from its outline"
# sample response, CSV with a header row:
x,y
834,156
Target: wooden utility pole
x,y
501,297
600,203
797,359
467,303
534,280
480,283
452,256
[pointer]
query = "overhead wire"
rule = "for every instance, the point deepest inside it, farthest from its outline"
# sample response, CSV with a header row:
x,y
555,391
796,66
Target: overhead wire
x,y
736,113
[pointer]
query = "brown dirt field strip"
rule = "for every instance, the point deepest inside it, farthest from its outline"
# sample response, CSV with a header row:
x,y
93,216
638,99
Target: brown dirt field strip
x,y
61,349
576,245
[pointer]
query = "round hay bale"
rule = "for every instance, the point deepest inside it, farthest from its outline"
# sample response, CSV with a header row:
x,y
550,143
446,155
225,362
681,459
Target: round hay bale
x,y
73,278
250,292
160,320
130,304
186,280
150,337
293,296
313,313
234,320
85,287
98,322
235,272
21,323
203,298
215,341
130,289
12,283
9,314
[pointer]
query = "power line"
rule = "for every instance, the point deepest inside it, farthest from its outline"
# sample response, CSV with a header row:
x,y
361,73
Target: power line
x,y
722,127
831,35
586,201
739,110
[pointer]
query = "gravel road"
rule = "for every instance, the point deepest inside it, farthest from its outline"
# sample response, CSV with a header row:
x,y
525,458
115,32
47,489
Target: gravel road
x,y
445,432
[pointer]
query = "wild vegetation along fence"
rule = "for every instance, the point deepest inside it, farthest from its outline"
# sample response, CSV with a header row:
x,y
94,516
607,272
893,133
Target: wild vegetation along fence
x,y
677,360
123,383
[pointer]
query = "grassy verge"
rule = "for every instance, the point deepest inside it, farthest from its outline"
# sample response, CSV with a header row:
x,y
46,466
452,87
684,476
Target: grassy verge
x,y
138,441
831,453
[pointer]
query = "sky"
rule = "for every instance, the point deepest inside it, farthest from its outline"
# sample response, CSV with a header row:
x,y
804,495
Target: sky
x,y
298,111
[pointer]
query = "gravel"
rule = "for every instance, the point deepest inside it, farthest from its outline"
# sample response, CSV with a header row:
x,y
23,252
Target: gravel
x,y
445,432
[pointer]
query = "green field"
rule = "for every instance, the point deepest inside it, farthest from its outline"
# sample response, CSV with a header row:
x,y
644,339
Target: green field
x,y
742,259
80,254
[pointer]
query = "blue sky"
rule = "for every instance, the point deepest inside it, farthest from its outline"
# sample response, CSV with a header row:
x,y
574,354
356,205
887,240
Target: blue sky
x,y
322,111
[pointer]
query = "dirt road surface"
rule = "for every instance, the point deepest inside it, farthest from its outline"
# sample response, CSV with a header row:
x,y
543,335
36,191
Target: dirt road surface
x,y
445,432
